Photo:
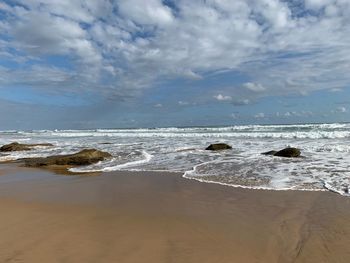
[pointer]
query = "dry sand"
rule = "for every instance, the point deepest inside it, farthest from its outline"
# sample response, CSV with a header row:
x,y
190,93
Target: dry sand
x,y
157,217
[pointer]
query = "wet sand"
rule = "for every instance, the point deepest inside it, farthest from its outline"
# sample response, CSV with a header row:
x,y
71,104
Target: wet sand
x,y
158,217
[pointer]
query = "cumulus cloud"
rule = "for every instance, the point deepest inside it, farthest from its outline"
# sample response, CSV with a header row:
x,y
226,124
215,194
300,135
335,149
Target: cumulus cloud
x,y
221,97
123,47
151,12
54,36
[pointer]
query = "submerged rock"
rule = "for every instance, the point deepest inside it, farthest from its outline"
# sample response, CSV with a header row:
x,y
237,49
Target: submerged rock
x,y
218,146
84,157
288,152
269,153
15,146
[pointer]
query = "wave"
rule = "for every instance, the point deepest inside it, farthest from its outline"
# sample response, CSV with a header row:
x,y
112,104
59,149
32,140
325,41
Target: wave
x,y
266,135
342,191
252,187
101,166
296,131
279,127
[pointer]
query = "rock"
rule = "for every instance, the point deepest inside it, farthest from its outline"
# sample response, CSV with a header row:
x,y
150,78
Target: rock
x,y
84,157
218,146
269,153
288,152
15,146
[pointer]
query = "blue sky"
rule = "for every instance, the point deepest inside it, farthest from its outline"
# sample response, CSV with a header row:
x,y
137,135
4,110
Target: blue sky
x,y
152,63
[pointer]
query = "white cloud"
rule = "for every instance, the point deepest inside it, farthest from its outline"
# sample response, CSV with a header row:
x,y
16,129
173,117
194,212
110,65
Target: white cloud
x,y
158,105
242,102
150,12
256,87
86,11
221,97
336,90
234,116
183,103
122,47
276,12
5,7
36,76
259,115
288,114
298,114
53,36
318,4
307,113
341,109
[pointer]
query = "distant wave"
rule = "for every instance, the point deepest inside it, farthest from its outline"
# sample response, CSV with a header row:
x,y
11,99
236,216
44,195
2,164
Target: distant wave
x,y
298,131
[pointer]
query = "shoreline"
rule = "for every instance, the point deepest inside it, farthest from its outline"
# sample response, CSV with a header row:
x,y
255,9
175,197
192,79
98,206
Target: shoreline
x,y
257,188
158,217
64,170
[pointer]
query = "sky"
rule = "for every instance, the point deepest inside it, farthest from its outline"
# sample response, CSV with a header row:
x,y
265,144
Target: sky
x,y
150,63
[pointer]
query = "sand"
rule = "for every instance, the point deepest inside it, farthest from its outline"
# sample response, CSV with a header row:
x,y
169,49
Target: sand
x,y
159,217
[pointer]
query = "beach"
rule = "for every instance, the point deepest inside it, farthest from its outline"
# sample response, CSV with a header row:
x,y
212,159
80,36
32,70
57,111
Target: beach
x,y
162,217
164,131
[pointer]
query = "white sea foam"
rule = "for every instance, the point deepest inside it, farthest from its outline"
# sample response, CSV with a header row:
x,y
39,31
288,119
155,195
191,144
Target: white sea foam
x,y
221,134
302,131
110,165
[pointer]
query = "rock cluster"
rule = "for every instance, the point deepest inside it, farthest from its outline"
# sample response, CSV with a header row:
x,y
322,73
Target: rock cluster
x,y
286,152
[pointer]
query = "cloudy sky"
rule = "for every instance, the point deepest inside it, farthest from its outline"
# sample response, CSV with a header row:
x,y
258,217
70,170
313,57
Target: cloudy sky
x,y
151,63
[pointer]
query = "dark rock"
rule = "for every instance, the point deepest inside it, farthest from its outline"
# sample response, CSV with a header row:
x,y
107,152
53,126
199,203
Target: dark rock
x,y
269,153
84,157
218,146
288,152
15,146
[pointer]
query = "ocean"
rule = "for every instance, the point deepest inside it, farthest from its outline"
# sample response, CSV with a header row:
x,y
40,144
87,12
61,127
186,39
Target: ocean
x,y
324,165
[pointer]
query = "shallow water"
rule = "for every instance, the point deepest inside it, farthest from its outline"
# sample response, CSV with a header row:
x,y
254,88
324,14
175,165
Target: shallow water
x,y
325,148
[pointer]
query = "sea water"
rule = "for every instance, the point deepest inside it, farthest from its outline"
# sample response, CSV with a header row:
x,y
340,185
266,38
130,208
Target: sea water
x,y
325,162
